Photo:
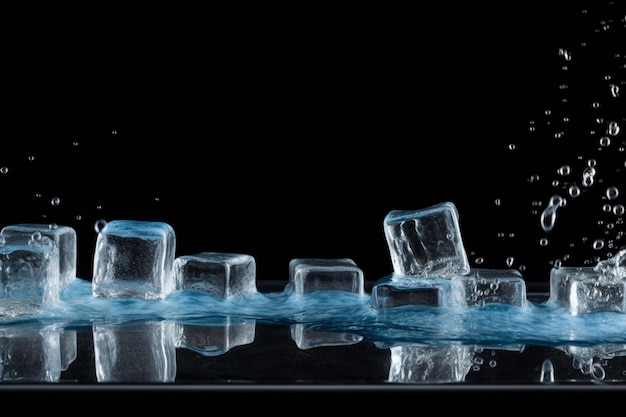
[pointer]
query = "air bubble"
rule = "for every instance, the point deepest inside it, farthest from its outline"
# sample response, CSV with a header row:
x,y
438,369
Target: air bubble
x,y
55,201
4,170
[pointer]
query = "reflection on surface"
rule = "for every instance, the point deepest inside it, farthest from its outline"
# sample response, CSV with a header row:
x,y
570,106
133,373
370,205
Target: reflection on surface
x,y
37,353
216,339
599,363
141,352
307,337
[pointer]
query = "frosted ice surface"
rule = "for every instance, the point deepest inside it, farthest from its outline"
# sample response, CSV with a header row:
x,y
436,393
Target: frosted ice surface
x,y
134,259
63,236
228,275
307,275
583,290
483,286
426,242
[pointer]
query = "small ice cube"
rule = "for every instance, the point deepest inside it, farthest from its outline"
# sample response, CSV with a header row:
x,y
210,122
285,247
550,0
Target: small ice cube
x,y
228,275
483,286
397,290
426,242
584,290
307,275
134,259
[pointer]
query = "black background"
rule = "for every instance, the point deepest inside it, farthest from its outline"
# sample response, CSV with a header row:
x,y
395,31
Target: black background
x,y
289,129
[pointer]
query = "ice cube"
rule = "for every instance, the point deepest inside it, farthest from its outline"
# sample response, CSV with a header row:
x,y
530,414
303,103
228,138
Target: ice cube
x,y
29,278
398,290
228,275
426,242
307,275
584,290
483,286
134,259
63,236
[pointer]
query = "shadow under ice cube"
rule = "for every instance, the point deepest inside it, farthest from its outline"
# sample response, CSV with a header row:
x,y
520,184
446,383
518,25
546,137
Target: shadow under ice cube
x,y
64,237
397,290
228,275
584,290
426,242
485,286
307,275
134,259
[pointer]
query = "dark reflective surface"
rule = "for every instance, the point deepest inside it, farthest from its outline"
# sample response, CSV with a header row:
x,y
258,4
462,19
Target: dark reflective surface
x,y
235,354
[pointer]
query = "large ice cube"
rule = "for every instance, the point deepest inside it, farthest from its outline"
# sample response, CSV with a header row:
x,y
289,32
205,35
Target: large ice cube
x,y
584,290
134,259
63,236
398,290
426,242
29,277
307,275
483,286
228,275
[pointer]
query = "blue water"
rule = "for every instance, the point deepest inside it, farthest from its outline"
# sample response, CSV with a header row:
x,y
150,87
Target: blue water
x,y
538,323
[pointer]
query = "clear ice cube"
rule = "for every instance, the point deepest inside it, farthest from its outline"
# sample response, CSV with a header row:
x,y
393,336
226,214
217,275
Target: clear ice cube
x,y
484,286
397,290
134,259
228,275
426,242
63,236
29,278
307,275
583,290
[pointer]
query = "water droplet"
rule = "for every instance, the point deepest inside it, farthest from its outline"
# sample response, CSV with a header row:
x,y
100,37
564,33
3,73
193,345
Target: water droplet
x,y
565,54
53,226
598,244
548,216
543,241
55,201
574,190
547,372
99,225
612,193
605,141
4,170
613,129
564,170
614,90
509,261
618,210
588,176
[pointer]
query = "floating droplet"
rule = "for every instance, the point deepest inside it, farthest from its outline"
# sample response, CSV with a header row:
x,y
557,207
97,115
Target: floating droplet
x,y
4,170
99,225
612,193
55,201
